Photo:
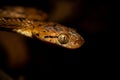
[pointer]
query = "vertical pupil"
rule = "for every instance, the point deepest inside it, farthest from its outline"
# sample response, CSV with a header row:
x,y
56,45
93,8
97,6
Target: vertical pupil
x,y
64,38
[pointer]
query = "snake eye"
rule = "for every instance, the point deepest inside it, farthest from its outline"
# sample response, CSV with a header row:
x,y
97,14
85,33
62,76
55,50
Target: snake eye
x,y
63,38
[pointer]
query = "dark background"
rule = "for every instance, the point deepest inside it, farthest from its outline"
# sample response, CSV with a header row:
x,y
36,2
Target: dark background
x,y
92,19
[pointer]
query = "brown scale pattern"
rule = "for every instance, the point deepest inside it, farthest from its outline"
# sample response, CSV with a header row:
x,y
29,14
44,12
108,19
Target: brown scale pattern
x,y
27,25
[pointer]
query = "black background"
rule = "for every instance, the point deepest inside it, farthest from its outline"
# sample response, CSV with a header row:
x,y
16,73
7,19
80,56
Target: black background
x,y
94,24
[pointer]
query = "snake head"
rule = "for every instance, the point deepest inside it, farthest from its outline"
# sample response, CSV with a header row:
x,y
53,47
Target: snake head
x,y
58,34
70,39
75,39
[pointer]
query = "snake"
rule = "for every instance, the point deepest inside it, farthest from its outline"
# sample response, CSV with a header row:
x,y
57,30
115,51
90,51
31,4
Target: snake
x,y
30,22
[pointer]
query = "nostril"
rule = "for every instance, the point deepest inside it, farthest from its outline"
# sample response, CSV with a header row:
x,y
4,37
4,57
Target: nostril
x,y
37,34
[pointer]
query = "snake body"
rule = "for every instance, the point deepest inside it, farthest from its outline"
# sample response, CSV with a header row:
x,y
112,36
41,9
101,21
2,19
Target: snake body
x,y
30,22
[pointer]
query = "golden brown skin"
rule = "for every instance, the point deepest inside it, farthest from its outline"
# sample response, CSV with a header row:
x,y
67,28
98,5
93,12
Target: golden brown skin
x,y
50,32
58,34
23,12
